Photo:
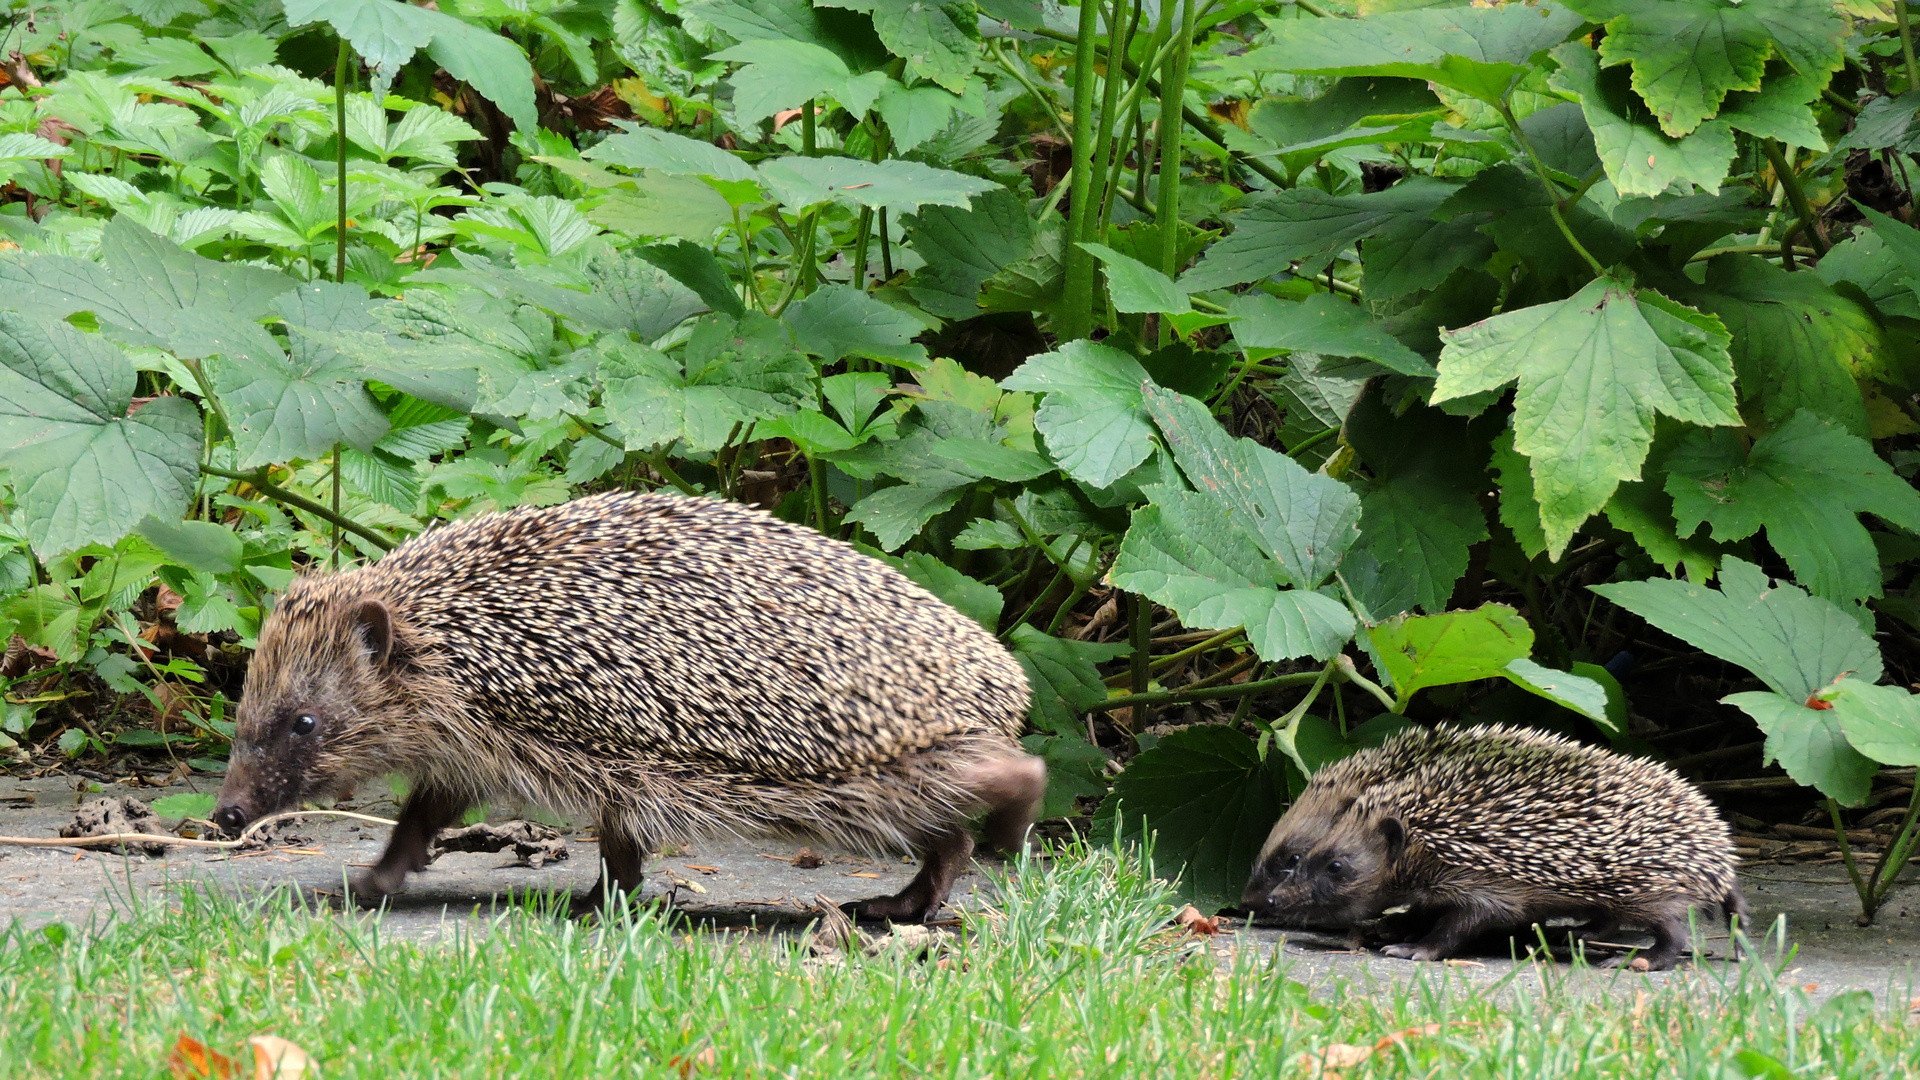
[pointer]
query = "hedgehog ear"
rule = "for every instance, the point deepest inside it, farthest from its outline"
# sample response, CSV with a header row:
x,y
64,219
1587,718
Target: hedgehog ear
x,y
1395,834
374,623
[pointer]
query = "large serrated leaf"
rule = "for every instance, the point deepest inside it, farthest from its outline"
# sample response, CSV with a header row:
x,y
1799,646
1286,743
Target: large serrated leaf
x,y
1093,415
1593,370
1806,483
1321,324
1210,801
1418,651
86,467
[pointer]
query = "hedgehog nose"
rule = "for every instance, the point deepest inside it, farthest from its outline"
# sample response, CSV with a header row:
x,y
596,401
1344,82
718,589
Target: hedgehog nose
x,y
230,818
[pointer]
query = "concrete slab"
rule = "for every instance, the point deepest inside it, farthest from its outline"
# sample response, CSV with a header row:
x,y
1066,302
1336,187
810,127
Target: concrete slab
x,y
753,884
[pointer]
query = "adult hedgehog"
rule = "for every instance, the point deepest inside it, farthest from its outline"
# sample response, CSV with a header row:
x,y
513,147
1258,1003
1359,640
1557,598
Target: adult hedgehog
x,y
669,667
1488,829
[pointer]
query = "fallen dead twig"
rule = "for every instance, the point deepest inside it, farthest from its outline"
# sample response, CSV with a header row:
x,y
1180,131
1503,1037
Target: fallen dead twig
x,y
163,838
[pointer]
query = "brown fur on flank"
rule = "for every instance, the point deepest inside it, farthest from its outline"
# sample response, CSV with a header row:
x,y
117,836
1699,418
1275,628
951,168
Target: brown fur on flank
x,y
1494,829
668,667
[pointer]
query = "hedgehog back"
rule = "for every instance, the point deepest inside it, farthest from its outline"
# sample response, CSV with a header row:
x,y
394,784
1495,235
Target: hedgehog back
x,y
698,631
1535,807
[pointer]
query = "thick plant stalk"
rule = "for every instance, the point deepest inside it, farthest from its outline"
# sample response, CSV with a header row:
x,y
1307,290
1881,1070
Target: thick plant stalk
x,y
1076,310
1173,93
1906,44
340,71
1119,29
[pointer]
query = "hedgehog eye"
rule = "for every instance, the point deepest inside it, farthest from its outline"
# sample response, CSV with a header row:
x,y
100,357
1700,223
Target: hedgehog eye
x,y
1336,868
304,724
1292,863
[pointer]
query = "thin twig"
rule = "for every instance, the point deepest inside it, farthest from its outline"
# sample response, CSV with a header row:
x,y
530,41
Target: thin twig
x,y
161,838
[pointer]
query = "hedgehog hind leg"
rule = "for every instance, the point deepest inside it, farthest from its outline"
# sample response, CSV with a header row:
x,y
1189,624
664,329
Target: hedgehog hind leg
x,y
1668,925
1456,927
623,860
942,858
1011,790
428,810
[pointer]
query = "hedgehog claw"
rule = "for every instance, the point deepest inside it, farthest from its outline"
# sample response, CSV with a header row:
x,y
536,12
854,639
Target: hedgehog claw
x,y
1407,951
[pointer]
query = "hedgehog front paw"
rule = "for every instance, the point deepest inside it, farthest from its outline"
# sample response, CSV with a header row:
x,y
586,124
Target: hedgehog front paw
x,y
1407,951
372,888
902,908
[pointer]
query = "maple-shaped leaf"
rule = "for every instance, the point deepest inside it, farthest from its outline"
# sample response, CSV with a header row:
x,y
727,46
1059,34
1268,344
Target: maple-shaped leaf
x,y
1593,370
1806,482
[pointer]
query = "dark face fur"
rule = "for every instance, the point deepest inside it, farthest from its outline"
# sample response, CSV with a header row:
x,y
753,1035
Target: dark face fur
x,y
314,691
1326,866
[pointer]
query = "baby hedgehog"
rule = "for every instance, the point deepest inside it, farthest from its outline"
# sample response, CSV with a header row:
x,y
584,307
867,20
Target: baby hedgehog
x,y
1487,829
668,667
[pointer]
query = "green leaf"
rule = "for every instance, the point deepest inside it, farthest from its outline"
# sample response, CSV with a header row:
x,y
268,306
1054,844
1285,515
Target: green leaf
x,y
1576,692
1687,55
1519,512
1307,225
639,147
1640,159
848,36
915,115
613,291
1421,514
1797,344
838,321
1805,483
86,466
783,74
144,282
186,805
1303,520
1810,745
1209,799
1793,642
386,33
895,514
1593,371
1181,552
975,599
1418,651
1093,415
201,546
696,268
1065,679
734,373
281,408
965,247
1645,511
1481,51
1324,324
1882,722
1135,286
895,184
925,35
1076,769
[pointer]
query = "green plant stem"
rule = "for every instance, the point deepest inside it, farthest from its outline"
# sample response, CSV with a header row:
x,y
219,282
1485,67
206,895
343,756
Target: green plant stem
x,y
1139,618
300,502
748,284
1060,124
1906,44
1840,103
817,477
809,133
1868,902
1076,308
1343,664
1894,859
333,557
658,459
1540,170
1312,441
340,73
1172,95
1586,184
1053,583
1195,119
1748,249
1119,25
1163,662
1182,696
1796,195
886,252
863,235
1312,8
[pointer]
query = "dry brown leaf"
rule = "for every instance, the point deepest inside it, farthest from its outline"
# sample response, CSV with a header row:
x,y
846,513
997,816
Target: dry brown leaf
x,y
703,869
190,1059
807,859
858,874
274,1058
1197,923
686,1064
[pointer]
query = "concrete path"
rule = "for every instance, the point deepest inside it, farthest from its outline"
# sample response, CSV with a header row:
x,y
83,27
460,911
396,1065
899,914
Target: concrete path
x,y
749,884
